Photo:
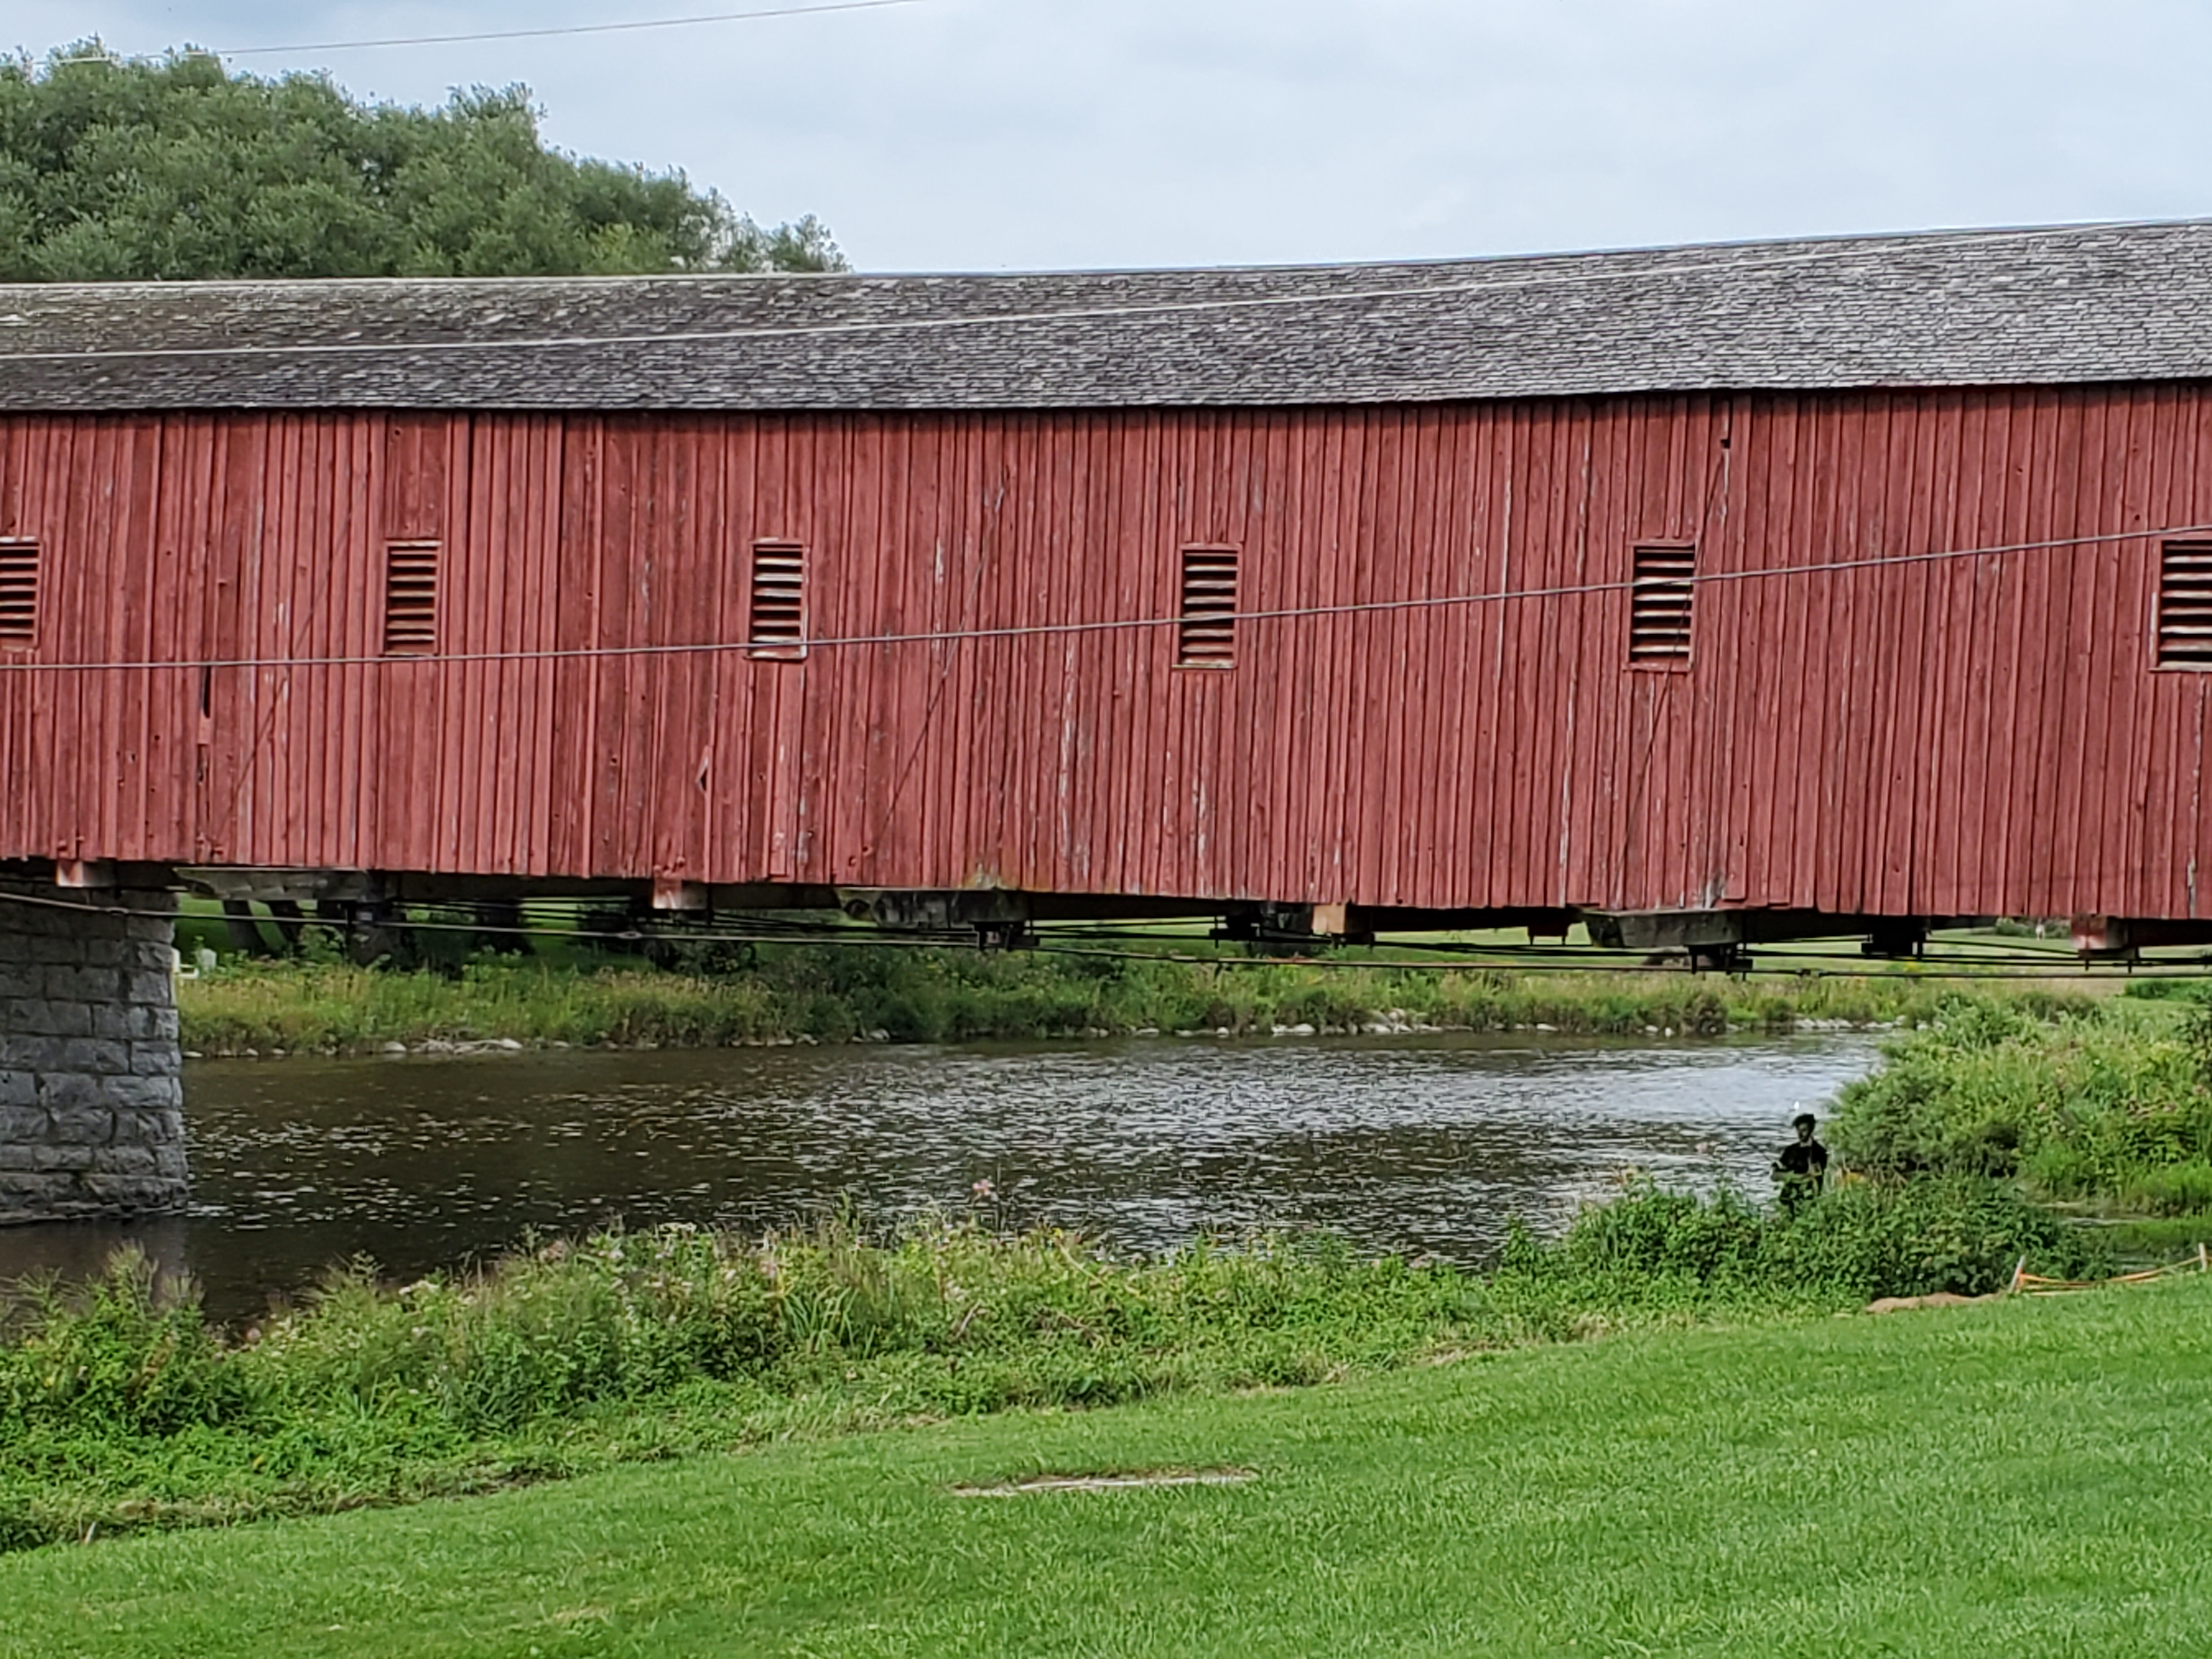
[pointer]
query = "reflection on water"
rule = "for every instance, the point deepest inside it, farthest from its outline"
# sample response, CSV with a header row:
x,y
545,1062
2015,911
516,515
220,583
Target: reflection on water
x,y
1416,1144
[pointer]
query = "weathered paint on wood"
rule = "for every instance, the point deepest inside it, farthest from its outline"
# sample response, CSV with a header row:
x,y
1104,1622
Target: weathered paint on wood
x,y
1971,736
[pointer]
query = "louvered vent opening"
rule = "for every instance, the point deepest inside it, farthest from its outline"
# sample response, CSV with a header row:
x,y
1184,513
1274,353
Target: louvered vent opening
x,y
410,599
2184,606
778,619
1205,631
1660,597
19,595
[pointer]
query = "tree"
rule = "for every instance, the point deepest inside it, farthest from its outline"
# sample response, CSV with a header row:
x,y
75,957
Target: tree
x,y
113,168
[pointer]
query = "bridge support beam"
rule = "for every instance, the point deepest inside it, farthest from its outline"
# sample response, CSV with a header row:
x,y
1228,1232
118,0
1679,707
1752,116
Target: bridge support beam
x,y
91,1082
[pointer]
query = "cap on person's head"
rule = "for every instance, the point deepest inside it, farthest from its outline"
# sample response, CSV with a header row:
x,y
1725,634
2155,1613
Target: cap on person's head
x,y
1803,1120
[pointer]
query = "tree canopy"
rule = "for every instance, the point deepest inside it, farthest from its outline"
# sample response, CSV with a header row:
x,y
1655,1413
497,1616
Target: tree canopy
x,y
113,168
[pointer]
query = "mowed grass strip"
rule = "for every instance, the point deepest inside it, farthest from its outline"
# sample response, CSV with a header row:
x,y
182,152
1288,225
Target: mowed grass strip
x,y
2021,1477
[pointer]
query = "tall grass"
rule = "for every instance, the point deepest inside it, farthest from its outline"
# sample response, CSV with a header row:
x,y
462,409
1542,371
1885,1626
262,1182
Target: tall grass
x,y
2106,1102
832,994
119,1411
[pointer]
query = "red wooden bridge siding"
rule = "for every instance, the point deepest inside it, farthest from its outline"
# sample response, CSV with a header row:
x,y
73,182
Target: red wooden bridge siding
x,y
1983,736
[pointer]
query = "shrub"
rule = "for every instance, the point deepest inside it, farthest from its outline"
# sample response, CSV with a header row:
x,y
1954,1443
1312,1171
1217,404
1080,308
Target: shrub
x,y
2084,1101
122,1360
1960,1234
1860,1239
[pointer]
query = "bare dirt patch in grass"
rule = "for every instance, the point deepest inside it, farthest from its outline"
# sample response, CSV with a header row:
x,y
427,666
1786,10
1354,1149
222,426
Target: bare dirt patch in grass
x,y
1110,1481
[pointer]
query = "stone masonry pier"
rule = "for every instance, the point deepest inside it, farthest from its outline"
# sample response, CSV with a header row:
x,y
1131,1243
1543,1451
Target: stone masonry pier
x,y
91,1086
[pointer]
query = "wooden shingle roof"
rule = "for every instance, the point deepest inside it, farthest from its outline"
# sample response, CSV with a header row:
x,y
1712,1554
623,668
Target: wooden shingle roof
x,y
2052,305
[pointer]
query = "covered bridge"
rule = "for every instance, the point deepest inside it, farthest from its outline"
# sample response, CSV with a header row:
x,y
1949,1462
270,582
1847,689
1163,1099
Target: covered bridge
x,y
1704,594
1865,578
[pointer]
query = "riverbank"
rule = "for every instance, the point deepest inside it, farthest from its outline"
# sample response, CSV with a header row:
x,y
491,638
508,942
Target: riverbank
x,y
1968,1481
120,1411
826,993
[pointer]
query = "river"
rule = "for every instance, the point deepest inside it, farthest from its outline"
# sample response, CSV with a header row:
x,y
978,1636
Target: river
x,y
1419,1144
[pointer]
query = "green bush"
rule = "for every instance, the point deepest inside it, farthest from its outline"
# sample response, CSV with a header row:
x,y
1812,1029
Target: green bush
x,y
118,1360
2084,1101
1961,1234
1859,1240
1649,1232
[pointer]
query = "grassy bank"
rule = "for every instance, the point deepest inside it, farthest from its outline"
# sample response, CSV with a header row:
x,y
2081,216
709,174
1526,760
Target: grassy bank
x,y
2021,1477
831,994
2106,1104
119,1414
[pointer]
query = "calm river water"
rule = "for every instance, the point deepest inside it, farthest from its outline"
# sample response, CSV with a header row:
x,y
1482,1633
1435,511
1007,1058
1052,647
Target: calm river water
x,y
1414,1144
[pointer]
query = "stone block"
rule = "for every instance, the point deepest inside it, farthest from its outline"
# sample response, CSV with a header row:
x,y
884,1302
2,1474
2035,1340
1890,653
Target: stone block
x,y
18,1090
26,1016
81,1126
143,984
145,1129
111,1058
65,950
21,1184
26,1125
123,1160
69,1019
87,913
68,1157
40,1055
80,1053
69,1091
30,920
135,1194
143,1094
153,956
145,1023
169,1159
132,1128
156,1058
84,984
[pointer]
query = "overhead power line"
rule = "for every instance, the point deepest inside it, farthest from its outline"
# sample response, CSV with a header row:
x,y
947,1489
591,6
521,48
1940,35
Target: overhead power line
x,y
1108,624
1627,270
516,35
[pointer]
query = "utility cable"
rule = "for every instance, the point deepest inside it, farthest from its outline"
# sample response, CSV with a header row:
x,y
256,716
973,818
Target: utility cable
x,y
1114,624
511,35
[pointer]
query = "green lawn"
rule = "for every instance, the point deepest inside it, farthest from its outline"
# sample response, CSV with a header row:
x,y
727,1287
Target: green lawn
x,y
2029,1478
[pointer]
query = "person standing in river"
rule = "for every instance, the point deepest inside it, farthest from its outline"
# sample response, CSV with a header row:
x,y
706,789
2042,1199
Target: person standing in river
x,y
1802,1167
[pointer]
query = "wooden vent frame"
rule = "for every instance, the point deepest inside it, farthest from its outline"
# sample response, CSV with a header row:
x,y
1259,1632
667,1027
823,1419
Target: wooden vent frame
x,y
1206,619
775,615
2183,629
410,599
1662,597
19,595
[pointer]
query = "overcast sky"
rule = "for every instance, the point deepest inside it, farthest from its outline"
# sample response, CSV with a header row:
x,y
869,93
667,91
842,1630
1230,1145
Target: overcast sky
x,y
989,134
